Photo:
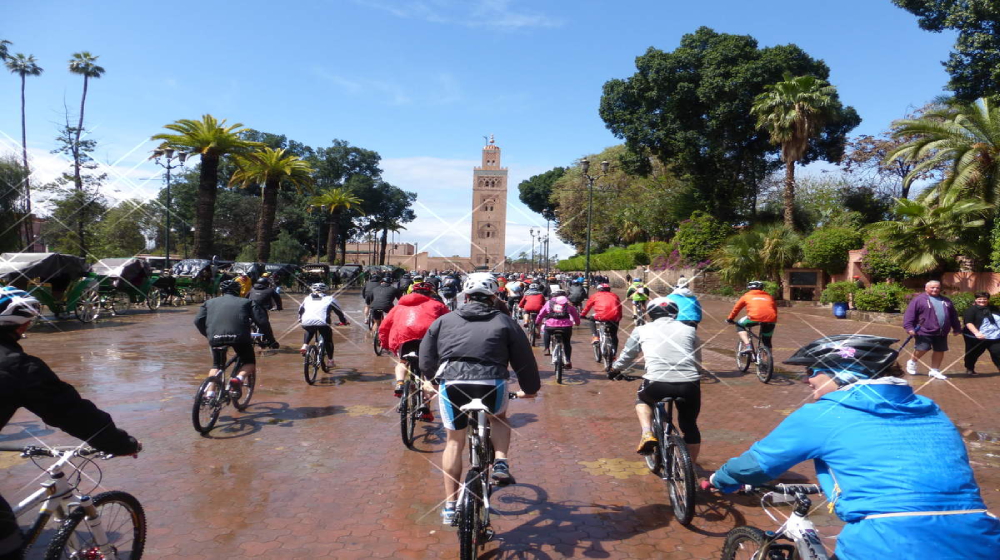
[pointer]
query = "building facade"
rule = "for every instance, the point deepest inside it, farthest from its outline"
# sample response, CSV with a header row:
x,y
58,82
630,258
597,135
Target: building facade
x,y
489,211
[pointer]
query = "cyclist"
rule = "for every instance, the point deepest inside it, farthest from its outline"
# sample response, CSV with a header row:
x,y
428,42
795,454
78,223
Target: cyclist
x,y
761,310
265,294
515,290
688,306
607,308
225,321
381,299
577,293
531,302
416,280
890,462
469,351
405,325
558,315
672,353
638,292
28,382
449,290
404,283
314,314
245,283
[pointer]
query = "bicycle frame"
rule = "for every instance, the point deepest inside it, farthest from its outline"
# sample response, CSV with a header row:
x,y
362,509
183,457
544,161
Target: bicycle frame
x,y
556,345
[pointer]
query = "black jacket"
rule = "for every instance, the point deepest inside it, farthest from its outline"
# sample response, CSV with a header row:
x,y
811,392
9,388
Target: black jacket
x,y
477,342
976,315
382,297
226,320
366,290
26,381
266,296
577,293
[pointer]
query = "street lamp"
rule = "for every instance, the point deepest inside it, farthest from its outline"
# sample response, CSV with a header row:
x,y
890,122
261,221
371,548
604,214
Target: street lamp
x,y
543,251
585,165
164,157
531,231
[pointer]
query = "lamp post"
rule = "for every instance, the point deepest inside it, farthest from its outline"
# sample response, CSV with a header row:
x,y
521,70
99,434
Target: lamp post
x,y
531,232
168,155
585,165
543,251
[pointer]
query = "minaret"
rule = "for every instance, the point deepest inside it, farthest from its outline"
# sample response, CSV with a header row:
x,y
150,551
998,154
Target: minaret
x,y
489,211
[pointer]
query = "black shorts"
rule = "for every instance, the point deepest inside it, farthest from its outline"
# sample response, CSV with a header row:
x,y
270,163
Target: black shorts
x,y
245,353
652,392
409,346
936,343
454,394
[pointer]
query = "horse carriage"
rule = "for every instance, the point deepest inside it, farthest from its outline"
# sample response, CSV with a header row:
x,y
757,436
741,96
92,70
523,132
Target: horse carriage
x,y
58,281
197,279
252,269
311,274
283,275
124,282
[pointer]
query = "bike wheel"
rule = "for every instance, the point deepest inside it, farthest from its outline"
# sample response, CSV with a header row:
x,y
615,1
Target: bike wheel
x,y
154,298
609,357
742,360
764,364
598,355
680,478
377,345
743,543
310,364
206,410
557,354
533,336
248,386
654,461
469,516
124,523
408,405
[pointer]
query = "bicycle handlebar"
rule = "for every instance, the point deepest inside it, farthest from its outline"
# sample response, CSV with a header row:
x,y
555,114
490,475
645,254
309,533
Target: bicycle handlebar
x,y
780,488
55,451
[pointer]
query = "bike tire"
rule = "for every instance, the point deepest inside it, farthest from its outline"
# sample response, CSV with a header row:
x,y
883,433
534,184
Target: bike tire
x,y
469,516
533,336
680,478
743,542
321,354
764,365
134,540
609,358
742,360
377,345
598,353
248,386
310,364
408,406
654,461
205,413
557,352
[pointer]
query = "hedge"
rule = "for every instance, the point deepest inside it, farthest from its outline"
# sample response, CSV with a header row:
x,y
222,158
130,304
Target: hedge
x,y
882,298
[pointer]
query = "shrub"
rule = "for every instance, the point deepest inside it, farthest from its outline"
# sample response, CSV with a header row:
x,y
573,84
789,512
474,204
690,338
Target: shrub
x,y
726,291
878,264
615,258
699,236
837,292
882,298
772,288
962,301
826,248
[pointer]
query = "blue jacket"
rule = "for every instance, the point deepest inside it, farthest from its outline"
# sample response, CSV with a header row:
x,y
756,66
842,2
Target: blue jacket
x,y
688,306
879,448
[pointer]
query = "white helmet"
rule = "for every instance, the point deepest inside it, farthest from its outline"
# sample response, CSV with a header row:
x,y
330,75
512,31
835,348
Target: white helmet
x,y
17,306
480,283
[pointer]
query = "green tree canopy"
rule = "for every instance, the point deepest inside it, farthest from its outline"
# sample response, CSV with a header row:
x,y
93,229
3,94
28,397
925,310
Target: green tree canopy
x,y
536,192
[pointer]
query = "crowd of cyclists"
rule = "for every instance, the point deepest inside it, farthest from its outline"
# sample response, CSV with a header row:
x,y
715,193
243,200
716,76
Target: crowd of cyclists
x,y
892,465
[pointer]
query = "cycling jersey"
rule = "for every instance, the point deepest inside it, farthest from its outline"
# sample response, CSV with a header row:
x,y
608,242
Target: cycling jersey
x,y
314,311
760,307
637,293
265,295
409,320
246,284
226,320
688,306
606,305
382,297
671,349
532,302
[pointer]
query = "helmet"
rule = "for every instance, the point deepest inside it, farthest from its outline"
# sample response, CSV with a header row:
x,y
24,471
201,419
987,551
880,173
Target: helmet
x,y
318,287
266,275
555,290
661,307
425,287
418,278
755,285
535,286
847,357
637,281
17,306
231,287
481,283
604,287
386,280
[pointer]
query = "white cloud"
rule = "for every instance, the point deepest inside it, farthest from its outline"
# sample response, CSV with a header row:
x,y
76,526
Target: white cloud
x,y
499,14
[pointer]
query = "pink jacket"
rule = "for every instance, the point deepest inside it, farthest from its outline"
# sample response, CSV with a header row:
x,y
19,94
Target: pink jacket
x,y
573,319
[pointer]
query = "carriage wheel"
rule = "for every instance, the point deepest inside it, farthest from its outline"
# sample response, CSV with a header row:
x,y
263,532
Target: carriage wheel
x,y
87,306
153,299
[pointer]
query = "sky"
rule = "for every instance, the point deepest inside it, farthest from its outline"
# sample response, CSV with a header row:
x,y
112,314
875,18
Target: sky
x,y
420,82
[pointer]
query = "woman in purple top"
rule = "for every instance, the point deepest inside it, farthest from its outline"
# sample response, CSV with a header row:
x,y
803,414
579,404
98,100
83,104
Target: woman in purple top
x,y
558,315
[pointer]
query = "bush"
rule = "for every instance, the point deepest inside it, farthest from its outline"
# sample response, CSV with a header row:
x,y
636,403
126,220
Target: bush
x,y
699,236
826,248
882,298
772,288
837,292
962,301
615,258
878,264
726,291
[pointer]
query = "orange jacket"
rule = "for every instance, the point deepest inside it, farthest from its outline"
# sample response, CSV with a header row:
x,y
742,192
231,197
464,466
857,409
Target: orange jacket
x,y
760,307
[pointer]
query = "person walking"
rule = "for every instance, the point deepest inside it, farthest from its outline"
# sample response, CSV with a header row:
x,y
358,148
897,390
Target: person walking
x,y
929,318
982,332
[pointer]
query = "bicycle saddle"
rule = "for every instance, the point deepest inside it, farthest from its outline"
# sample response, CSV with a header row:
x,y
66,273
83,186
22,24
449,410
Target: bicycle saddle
x,y
474,405
410,355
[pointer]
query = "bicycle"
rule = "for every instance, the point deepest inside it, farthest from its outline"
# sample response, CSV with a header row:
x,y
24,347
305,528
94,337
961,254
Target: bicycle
x,y
671,462
313,360
604,351
532,327
413,401
754,544
472,515
108,525
639,313
377,316
206,410
451,302
758,353
556,349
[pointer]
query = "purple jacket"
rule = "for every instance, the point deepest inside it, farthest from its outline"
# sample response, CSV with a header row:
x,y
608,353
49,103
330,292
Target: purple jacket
x,y
543,315
921,313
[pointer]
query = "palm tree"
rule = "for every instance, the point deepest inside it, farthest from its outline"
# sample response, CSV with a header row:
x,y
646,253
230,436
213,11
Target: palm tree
x,y
793,112
211,139
930,231
273,169
24,66
84,64
4,52
963,138
334,201
762,252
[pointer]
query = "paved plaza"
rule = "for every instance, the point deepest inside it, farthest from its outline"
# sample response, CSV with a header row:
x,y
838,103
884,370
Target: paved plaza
x,y
320,471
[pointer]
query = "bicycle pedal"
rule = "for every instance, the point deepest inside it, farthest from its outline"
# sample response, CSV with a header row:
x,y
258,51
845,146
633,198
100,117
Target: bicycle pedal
x,y
488,535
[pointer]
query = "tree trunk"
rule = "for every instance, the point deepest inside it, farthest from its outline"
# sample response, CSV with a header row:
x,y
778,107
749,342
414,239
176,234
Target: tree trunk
x,y
383,244
790,194
343,249
268,208
77,179
331,238
205,210
29,226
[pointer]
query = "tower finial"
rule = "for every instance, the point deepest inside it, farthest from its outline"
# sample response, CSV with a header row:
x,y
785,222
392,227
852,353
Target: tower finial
x,y
491,139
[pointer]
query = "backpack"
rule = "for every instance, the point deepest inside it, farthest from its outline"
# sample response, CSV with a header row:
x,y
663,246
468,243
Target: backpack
x,y
558,311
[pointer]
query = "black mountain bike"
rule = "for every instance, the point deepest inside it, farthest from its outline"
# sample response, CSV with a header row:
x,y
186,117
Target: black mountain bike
x,y
313,361
756,353
413,401
377,316
228,389
604,350
532,327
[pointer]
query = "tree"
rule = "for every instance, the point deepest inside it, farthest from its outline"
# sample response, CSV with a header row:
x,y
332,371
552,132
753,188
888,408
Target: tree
x,y
4,49
387,208
119,233
335,201
84,64
699,236
761,252
85,196
272,168
12,175
793,112
536,192
287,249
691,108
24,66
212,140
974,64
828,248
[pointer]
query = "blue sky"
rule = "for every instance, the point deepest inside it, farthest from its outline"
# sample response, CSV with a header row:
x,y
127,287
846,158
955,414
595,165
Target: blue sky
x,y
421,82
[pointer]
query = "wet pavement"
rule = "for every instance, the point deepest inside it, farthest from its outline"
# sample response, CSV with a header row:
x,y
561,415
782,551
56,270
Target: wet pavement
x,y
320,471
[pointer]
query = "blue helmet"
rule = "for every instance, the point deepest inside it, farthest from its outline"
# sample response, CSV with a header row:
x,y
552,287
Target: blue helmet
x,y
17,306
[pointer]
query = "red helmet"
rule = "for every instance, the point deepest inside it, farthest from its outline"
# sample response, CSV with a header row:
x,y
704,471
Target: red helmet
x,y
425,287
605,287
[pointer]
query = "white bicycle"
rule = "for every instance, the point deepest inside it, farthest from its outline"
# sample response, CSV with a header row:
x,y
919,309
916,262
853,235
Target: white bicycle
x,y
110,525
751,543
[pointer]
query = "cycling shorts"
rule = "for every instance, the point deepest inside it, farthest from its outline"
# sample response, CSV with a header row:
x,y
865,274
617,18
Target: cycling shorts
x,y
652,392
454,394
245,353
766,329
409,346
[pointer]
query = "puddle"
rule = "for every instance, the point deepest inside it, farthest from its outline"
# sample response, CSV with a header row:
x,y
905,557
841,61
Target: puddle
x,y
984,447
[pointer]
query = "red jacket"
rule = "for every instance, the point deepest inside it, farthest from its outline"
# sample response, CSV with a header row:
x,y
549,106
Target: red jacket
x,y
409,320
532,303
607,306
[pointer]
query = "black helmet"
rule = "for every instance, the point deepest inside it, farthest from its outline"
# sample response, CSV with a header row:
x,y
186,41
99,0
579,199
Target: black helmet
x,y
864,356
755,285
386,280
661,307
231,287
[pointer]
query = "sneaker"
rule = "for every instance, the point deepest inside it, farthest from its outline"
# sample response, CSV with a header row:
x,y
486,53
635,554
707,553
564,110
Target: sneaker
x,y
236,388
425,414
936,374
911,367
746,352
448,514
546,352
595,340
647,444
501,473
569,365
398,389
328,363
970,372
303,349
